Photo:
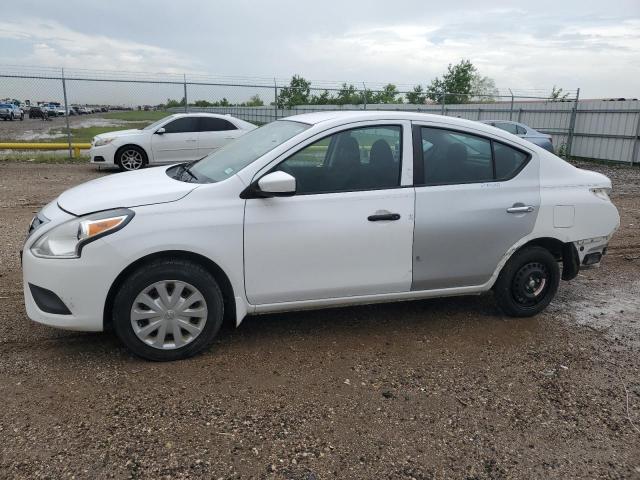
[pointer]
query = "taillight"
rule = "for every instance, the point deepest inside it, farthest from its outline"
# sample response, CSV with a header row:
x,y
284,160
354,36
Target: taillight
x,y
601,192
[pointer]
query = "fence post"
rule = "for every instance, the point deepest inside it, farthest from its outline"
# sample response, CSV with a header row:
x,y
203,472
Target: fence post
x,y
511,109
364,95
479,113
275,98
572,124
186,100
444,96
636,142
66,112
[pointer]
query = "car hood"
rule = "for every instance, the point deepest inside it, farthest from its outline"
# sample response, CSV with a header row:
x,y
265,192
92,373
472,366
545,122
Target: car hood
x,y
127,189
119,133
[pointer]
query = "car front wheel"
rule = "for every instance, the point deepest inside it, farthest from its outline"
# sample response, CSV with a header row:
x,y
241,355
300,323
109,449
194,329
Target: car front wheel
x,y
131,158
528,282
168,310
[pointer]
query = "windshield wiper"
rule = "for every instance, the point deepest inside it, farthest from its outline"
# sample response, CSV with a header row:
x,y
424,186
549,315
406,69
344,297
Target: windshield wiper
x,y
186,168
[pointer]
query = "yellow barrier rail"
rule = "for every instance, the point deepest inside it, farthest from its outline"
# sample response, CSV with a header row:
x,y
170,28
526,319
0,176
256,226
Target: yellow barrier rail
x,y
76,147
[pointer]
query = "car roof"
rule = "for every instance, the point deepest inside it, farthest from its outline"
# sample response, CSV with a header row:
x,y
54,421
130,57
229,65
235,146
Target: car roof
x,y
341,117
202,114
238,122
497,120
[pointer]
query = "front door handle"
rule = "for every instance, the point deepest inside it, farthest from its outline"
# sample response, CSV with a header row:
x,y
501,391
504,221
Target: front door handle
x,y
384,216
520,208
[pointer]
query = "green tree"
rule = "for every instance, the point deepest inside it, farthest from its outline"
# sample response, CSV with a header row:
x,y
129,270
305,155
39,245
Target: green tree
x,y
456,82
483,89
202,103
557,95
297,93
175,103
324,98
255,101
417,96
388,94
348,95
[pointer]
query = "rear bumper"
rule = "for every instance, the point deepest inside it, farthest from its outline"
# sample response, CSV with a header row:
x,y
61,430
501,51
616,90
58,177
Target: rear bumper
x,y
591,251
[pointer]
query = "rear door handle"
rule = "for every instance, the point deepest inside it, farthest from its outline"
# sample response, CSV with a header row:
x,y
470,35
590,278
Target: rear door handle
x,y
384,216
520,209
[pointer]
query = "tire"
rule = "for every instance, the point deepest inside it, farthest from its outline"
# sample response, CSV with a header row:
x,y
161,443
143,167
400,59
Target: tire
x,y
201,296
130,158
528,282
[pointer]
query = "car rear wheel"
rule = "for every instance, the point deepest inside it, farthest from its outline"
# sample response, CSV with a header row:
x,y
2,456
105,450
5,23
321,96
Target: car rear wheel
x,y
131,158
528,282
168,310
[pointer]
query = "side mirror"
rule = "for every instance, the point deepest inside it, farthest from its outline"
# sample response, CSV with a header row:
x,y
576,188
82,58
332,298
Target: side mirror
x,y
277,184
160,131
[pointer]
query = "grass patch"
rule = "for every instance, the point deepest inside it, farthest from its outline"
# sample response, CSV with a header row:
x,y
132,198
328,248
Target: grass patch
x,y
87,133
78,135
136,116
43,157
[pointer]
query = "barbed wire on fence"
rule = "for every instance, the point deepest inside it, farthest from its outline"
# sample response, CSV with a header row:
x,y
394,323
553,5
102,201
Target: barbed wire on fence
x,y
264,99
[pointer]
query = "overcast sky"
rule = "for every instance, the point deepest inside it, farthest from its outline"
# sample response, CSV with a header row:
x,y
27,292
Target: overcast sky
x,y
594,45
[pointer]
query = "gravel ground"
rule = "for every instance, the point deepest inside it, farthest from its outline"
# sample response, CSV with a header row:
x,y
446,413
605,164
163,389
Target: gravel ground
x,y
426,390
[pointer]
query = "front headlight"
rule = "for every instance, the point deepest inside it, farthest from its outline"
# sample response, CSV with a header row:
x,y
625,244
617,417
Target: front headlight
x,y
68,239
99,142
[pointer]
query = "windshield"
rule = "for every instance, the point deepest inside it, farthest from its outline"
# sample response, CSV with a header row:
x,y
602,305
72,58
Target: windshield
x,y
155,124
234,156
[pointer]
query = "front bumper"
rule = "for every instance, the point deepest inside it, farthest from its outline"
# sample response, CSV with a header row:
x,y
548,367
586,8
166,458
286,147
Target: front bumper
x,y
81,284
103,155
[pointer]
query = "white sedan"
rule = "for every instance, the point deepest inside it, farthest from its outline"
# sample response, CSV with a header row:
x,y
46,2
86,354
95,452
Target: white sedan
x,y
176,138
311,211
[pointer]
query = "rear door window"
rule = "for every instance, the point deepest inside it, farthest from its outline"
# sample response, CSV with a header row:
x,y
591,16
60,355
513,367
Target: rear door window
x,y
213,124
455,157
452,157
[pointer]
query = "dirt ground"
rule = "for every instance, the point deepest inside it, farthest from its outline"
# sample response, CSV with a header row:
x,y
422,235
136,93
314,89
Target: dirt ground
x,y
36,130
425,390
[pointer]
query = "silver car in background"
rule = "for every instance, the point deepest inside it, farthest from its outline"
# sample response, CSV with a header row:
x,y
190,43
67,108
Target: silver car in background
x,y
523,131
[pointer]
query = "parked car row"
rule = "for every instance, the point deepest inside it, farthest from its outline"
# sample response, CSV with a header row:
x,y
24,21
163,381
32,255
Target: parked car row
x,y
9,111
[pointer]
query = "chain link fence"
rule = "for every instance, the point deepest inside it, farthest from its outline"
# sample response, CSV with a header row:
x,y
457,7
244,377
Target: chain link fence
x,y
81,103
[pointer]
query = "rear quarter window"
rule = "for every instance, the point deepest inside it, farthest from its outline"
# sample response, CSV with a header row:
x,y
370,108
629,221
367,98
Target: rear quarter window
x,y
508,160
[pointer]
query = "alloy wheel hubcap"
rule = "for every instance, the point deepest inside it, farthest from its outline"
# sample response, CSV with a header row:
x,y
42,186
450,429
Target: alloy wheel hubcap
x,y
169,314
131,159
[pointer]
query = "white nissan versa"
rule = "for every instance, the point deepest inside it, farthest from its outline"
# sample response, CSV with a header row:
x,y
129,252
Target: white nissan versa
x,y
182,137
315,210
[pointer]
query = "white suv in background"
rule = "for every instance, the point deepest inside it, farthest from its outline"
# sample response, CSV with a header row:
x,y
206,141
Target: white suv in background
x,y
176,138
